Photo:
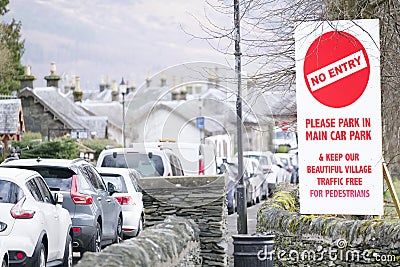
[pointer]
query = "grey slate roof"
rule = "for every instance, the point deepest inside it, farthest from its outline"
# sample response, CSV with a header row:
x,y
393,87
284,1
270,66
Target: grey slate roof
x,y
219,109
59,104
9,115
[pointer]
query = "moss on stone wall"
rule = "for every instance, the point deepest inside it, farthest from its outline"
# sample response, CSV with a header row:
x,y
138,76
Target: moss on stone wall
x,y
321,233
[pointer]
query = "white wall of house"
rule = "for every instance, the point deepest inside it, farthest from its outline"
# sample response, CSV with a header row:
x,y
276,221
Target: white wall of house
x,y
162,124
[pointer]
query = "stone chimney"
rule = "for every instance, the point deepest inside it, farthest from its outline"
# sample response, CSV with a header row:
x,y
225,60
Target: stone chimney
x,y
53,78
175,93
133,86
183,91
127,86
102,84
73,83
114,92
148,80
27,79
108,85
67,86
163,80
78,83
77,92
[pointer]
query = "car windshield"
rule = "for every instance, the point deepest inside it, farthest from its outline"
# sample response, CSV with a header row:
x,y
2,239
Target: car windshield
x,y
117,180
10,192
146,166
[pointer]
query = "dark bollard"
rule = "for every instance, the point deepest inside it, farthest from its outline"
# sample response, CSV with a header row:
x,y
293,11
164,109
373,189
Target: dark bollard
x,y
253,250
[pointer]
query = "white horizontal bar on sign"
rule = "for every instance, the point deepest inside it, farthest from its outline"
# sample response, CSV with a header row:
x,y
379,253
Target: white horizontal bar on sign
x,y
336,70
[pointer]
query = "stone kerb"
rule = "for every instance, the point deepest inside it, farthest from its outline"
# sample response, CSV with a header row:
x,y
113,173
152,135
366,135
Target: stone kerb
x,y
317,240
201,198
174,242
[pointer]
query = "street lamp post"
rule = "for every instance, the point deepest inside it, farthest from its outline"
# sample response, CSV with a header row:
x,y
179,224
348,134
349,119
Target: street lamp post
x,y
241,188
122,89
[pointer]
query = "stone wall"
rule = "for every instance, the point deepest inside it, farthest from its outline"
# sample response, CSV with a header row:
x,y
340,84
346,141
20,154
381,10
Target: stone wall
x,y
173,242
312,240
37,119
200,198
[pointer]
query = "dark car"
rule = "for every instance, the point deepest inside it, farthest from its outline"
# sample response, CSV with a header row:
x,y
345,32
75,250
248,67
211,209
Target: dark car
x,y
96,215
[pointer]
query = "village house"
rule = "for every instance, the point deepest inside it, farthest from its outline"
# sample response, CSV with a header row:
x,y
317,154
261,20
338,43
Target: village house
x,y
12,126
49,111
198,108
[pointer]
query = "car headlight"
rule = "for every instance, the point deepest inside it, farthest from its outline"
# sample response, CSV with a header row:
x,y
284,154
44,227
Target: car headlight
x,y
3,226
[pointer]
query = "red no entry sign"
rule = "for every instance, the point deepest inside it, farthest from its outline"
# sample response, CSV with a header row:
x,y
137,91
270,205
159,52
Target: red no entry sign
x,y
336,69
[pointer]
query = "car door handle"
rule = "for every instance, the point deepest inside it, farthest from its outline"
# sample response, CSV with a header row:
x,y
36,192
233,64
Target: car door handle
x,y
108,200
99,198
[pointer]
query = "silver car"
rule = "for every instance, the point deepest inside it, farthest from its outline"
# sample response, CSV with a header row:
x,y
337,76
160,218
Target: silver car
x,y
129,196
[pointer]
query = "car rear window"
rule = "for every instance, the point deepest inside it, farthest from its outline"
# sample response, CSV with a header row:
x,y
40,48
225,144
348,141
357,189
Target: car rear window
x,y
10,192
117,180
263,160
141,162
57,178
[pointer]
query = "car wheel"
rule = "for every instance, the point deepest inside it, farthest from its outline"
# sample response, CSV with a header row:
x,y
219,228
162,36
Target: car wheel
x,y
67,260
260,193
118,237
41,257
255,195
4,263
140,226
249,196
95,243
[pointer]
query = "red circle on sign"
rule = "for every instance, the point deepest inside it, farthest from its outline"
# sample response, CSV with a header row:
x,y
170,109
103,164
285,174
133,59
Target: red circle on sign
x,y
336,69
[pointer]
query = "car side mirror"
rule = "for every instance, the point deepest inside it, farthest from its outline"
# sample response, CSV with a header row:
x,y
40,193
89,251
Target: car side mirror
x,y
111,188
222,169
58,198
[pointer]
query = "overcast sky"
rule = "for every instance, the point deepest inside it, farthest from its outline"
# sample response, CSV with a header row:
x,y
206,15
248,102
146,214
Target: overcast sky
x,y
129,38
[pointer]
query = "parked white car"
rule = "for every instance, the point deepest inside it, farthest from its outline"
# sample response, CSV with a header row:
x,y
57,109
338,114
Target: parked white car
x,y
36,229
289,162
256,183
3,250
129,196
196,159
274,172
148,161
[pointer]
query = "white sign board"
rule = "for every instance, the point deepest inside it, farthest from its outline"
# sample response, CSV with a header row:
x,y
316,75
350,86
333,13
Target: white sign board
x,y
339,117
